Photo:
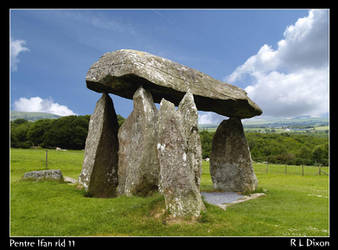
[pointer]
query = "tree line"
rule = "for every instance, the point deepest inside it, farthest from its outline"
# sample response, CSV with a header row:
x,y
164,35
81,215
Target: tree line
x,y
283,148
70,132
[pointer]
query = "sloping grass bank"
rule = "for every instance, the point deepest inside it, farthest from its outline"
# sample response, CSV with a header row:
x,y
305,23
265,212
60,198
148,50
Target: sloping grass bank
x,y
294,205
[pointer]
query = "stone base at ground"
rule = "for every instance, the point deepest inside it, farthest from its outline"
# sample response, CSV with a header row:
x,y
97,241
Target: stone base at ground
x,y
226,199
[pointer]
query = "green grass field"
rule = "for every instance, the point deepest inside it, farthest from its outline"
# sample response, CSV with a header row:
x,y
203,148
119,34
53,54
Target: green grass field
x,y
294,205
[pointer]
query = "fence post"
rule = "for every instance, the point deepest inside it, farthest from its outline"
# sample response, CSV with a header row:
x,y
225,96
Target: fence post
x,y
302,170
319,171
286,171
46,159
267,167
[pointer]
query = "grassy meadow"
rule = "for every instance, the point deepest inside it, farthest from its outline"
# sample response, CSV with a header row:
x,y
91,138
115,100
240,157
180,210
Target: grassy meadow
x,y
294,205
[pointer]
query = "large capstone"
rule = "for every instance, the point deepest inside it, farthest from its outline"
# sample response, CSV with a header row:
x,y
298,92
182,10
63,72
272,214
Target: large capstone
x,y
138,162
100,165
177,175
230,160
122,72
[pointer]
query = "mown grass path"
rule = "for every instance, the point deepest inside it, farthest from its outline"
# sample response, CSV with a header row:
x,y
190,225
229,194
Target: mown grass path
x,y
294,205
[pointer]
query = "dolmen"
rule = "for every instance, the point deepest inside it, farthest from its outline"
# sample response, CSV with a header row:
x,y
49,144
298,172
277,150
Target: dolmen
x,y
160,150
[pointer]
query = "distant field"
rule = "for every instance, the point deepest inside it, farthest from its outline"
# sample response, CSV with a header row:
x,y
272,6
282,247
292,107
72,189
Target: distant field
x,y
295,125
208,129
294,205
276,129
322,128
264,168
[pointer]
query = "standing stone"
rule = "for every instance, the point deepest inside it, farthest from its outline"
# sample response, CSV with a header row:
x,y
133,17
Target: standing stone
x,y
188,110
99,169
138,162
177,178
230,160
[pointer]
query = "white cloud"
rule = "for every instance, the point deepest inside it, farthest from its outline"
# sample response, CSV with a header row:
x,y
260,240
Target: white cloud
x,y
209,118
293,79
37,104
304,92
205,118
17,47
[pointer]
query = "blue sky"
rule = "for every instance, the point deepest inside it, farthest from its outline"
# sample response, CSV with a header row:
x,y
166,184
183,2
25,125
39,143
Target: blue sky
x,y
278,56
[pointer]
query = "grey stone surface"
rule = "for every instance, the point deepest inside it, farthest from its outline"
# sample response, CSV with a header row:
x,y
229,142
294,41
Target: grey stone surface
x,y
50,174
100,165
138,171
189,115
230,160
177,177
122,72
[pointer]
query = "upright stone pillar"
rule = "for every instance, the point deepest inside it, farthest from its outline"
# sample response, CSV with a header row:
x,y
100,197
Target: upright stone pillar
x,y
177,174
100,165
230,159
138,162
188,110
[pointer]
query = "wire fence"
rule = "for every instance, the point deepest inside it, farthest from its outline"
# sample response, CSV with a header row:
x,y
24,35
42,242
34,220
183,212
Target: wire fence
x,y
304,170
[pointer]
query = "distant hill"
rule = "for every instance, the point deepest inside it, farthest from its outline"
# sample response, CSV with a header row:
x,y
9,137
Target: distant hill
x,y
297,122
32,116
293,122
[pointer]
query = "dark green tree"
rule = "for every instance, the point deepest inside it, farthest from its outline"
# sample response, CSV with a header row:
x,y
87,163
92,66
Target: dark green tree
x,y
19,138
120,120
68,132
37,131
320,154
304,152
206,142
